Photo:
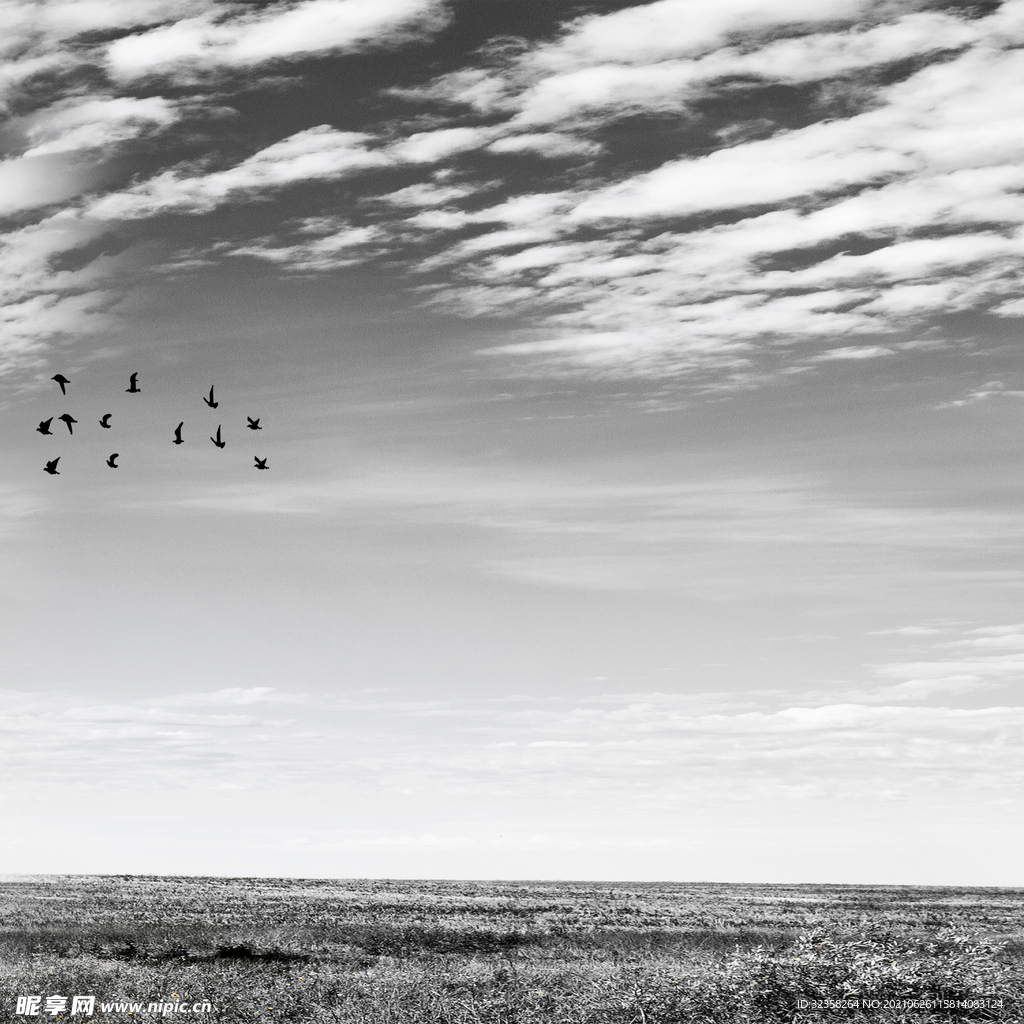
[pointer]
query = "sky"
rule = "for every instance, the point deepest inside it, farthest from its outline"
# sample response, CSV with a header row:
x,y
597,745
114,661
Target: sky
x,y
640,388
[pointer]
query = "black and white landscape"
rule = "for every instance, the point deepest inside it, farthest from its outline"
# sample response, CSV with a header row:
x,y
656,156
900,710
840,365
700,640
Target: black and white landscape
x,y
639,390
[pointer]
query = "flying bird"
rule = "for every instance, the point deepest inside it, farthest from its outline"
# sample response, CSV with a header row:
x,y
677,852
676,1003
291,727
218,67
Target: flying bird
x,y
260,463
134,388
51,467
209,401
68,419
103,421
44,426
216,440
177,433
61,380
253,424
111,461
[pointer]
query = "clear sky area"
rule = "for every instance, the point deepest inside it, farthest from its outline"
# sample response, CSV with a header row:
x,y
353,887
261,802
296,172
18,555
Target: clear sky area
x,y
640,392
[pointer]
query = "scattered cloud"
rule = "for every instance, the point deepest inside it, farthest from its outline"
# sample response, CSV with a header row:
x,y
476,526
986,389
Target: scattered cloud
x,y
712,536
993,389
855,352
908,631
236,38
549,144
430,147
884,195
895,177
94,123
654,747
313,154
327,243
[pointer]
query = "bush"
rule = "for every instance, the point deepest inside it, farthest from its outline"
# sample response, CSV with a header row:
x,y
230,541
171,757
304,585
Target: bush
x,y
868,965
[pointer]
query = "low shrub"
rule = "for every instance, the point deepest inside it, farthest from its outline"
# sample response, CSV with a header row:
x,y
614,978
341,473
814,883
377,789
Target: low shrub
x,y
953,967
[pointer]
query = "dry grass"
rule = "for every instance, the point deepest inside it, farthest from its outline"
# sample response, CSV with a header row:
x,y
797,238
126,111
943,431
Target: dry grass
x,y
263,950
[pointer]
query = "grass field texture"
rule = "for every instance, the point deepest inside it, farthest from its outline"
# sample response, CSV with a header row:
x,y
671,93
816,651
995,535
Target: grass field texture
x,y
399,952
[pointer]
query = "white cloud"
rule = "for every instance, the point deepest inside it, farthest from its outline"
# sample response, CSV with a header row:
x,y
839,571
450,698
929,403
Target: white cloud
x,y
430,147
1012,307
855,352
862,224
907,631
652,747
94,123
616,89
27,183
64,19
982,659
932,162
711,537
549,144
38,303
333,243
321,153
15,73
427,194
235,695
993,389
276,32
68,145
670,28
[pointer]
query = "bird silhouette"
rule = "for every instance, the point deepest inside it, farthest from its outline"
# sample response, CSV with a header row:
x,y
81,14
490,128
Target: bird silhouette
x,y
253,424
68,419
133,388
44,426
103,421
51,467
177,433
61,380
216,440
111,463
260,463
209,401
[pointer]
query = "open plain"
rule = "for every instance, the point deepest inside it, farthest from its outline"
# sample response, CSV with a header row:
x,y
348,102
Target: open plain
x,y
245,950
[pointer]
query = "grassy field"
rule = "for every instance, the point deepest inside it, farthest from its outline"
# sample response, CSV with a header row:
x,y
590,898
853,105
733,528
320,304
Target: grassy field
x,y
391,952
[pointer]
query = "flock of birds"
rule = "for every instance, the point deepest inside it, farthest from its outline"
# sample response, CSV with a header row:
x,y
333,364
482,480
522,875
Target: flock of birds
x,y
133,389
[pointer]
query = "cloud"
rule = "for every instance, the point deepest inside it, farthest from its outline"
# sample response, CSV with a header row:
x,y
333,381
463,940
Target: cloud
x,y
68,144
277,32
1013,630
855,352
427,194
907,631
906,176
234,695
616,89
993,389
835,230
984,658
712,537
93,123
41,42
549,144
39,303
630,58
651,32
655,748
430,147
27,183
321,153
332,243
